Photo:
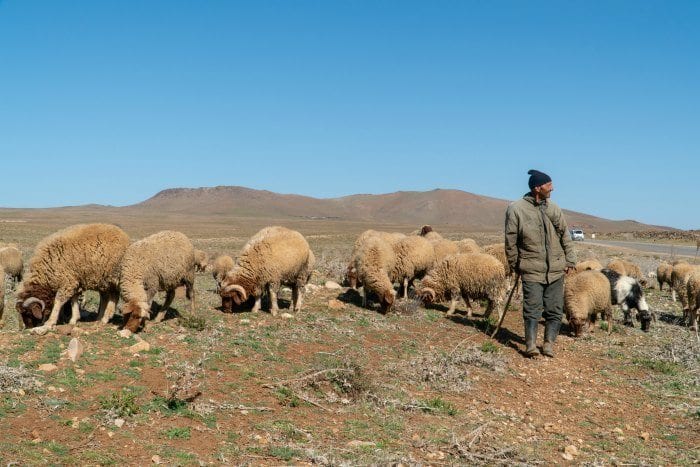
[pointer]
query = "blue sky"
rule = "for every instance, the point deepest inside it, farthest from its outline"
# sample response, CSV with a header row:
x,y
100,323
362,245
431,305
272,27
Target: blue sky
x,y
112,101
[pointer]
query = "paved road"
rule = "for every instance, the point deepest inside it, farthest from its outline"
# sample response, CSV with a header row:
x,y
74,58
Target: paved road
x,y
662,248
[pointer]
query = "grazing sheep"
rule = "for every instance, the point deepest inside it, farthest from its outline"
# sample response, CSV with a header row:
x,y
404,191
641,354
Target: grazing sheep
x,y
11,262
585,295
413,257
468,245
589,265
201,259
163,261
66,263
273,257
627,292
444,248
373,263
389,237
222,265
679,280
663,275
693,291
469,275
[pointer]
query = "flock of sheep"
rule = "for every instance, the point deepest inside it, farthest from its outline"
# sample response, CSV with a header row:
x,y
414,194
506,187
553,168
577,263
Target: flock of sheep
x,y
101,257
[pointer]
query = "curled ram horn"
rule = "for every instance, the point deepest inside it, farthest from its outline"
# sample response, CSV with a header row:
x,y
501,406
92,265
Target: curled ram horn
x,y
427,294
237,288
31,300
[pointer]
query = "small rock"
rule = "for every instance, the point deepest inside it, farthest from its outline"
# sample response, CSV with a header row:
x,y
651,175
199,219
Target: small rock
x,y
64,329
567,456
156,459
618,431
336,304
571,449
142,346
311,288
119,422
357,443
80,371
75,349
645,436
125,333
47,367
244,412
244,321
286,316
110,434
331,285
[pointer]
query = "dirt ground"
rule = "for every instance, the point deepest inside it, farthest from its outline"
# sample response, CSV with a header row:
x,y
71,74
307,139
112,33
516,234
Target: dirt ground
x,y
338,384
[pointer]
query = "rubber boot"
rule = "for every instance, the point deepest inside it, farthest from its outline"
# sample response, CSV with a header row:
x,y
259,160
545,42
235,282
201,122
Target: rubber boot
x,y
551,329
531,338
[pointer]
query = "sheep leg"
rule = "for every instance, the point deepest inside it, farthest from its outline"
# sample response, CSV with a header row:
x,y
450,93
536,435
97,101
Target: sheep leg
x,y
405,288
607,315
489,308
272,291
297,297
469,306
110,307
256,305
169,296
454,295
74,310
364,297
189,292
673,294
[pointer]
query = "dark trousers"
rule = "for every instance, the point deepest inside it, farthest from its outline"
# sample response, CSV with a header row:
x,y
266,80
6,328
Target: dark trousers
x,y
543,300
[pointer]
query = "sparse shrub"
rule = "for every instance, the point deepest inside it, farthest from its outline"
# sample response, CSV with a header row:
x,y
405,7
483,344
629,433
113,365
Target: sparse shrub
x,y
438,405
193,321
489,347
120,403
178,433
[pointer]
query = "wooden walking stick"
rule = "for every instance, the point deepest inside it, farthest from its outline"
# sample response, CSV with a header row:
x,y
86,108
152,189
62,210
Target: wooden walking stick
x,y
505,308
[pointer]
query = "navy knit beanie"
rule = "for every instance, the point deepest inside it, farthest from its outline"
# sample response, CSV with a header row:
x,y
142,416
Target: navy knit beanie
x,y
537,178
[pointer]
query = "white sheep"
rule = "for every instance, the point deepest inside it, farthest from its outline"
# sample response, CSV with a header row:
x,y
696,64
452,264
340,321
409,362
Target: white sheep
x,y
679,282
273,257
413,257
693,292
586,294
201,259
469,275
374,262
588,265
468,245
11,262
163,261
389,237
663,275
78,258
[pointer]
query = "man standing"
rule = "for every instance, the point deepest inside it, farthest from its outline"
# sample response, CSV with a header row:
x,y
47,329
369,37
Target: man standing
x,y
538,247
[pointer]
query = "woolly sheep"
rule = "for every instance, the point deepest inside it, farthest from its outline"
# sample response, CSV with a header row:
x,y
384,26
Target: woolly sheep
x,y
663,275
468,245
469,275
588,265
374,262
679,280
693,291
11,262
498,251
201,259
585,295
626,268
222,265
429,234
163,261
627,292
444,248
389,237
275,256
78,258
413,257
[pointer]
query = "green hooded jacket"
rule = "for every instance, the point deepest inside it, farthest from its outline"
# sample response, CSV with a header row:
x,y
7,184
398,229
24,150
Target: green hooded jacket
x,y
537,240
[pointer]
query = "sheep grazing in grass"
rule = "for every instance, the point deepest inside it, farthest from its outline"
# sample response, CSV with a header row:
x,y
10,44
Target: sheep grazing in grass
x,y
163,261
469,275
222,265
693,292
413,256
66,263
201,260
374,262
627,292
663,275
351,273
585,295
588,265
11,262
273,257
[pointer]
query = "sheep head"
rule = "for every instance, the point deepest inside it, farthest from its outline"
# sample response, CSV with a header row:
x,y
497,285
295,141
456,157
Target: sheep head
x,y
644,317
426,295
235,292
351,276
32,311
577,326
386,300
134,315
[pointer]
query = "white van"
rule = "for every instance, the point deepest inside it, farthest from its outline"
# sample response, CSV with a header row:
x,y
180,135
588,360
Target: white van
x,y
577,234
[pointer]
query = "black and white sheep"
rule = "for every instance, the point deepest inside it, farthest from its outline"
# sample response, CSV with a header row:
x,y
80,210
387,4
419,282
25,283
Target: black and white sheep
x,y
275,256
11,262
163,261
469,275
627,292
78,258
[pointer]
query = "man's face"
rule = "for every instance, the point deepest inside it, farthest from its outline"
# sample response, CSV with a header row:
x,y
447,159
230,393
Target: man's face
x,y
544,191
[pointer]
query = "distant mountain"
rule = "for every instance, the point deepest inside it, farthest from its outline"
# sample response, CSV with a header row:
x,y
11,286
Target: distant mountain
x,y
438,207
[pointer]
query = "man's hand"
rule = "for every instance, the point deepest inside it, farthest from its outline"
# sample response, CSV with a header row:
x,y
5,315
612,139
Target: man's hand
x,y
569,269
